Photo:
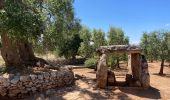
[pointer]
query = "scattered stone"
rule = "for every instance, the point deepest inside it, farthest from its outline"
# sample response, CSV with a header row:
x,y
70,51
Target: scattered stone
x,y
13,92
24,78
33,77
40,77
50,91
3,91
40,97
46,75
8,76
15,80
33,89
53,74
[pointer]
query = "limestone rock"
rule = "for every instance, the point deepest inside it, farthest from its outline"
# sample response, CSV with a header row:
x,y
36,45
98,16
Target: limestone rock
x,y
4,81
8,76
19,85
40,77
41,97
145,77
15,80
145,81
111,78
101,73
14,92
33,88
33,77
53,74
3,91
46,75
50,91
24,78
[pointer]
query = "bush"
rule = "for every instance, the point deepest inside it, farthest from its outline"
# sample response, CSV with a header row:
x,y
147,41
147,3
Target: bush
x,y
91,63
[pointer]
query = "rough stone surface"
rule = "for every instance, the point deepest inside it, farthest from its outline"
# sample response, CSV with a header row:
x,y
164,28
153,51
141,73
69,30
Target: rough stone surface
x,y
128,79
145,77
137,64
15,80
18,85
24,78
111,78
101,73
118,48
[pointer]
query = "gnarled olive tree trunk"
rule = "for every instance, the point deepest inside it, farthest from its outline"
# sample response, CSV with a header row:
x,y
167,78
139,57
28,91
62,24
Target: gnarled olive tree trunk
x,y
18,52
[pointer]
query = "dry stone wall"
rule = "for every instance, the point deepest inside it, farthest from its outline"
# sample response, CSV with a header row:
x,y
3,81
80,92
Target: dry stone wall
x,y
13,85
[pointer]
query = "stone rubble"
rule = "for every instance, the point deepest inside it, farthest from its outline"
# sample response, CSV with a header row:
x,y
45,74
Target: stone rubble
x,y
14,85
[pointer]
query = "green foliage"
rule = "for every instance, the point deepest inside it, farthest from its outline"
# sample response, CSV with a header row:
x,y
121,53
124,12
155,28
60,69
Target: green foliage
x,y
91,63
86,50
155,45
3,70
64,32
22,18
98,38
70,47
116,36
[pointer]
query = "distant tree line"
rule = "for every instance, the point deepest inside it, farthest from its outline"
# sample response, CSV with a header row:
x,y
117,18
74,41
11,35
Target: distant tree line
x,y
156,46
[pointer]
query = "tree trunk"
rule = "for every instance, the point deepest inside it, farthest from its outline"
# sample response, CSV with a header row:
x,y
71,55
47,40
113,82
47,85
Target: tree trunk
x,y
118,66
1,4
9,52
162,67
18,52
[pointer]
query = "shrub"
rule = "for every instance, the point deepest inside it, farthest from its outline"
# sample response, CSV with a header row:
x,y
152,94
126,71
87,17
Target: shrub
x,y
91,63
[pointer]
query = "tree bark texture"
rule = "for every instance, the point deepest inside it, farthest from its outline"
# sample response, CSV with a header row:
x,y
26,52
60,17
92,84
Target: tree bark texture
x,y
18,52
162,67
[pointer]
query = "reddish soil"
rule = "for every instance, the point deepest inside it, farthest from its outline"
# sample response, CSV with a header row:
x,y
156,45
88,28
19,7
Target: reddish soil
x,y
83,89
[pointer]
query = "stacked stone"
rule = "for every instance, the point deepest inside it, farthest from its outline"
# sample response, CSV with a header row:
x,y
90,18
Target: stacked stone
x,y
13,85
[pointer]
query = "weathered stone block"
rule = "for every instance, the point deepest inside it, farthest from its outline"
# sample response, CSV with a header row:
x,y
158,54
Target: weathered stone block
x,y
111,78
101,73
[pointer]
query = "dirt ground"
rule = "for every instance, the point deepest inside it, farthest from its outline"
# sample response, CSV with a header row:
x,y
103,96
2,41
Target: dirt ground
x,y
83,89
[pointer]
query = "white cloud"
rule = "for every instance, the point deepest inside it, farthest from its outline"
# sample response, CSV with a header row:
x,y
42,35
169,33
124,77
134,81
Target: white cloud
x,y
166,25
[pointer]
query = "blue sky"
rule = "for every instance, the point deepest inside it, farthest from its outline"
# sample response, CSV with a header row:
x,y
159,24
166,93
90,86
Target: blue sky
x,y
133,16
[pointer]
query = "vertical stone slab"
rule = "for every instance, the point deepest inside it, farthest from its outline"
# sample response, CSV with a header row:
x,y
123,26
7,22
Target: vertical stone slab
x,y
101,74
135,65
129,64
145,77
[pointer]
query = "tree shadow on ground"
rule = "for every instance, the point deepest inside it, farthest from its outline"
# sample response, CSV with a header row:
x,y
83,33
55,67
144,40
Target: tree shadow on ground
x,y
164,75
76,91
150,93
98,94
